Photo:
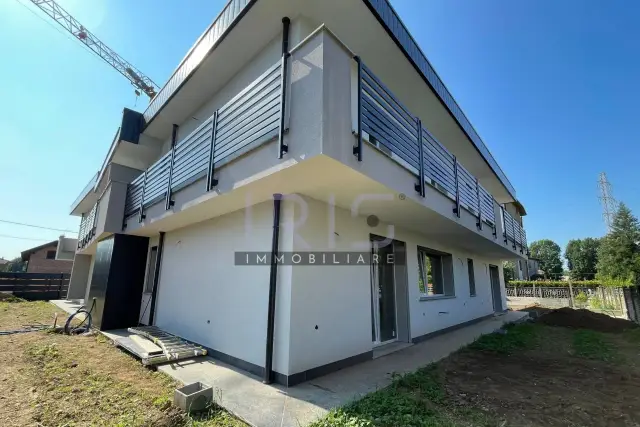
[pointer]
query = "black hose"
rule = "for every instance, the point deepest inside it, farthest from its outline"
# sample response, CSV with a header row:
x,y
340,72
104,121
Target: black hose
x,y
79,329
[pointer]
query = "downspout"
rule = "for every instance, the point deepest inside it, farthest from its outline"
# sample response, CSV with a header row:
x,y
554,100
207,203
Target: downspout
x,y
156,276
282,147
273,277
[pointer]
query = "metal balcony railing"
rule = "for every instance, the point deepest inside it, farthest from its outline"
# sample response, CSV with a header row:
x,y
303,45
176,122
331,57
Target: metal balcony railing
x,y
400,33
513,231
88,226
85,191
393,129
249,119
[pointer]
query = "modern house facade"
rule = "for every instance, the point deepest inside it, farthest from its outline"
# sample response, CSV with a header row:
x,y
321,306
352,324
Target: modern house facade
x,y
301,193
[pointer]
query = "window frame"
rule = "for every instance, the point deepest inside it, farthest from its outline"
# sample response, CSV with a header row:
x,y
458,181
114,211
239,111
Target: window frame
x,y
49,252
151,270
472,278
446,277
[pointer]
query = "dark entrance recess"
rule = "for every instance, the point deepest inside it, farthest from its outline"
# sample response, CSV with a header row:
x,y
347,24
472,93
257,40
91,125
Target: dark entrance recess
x,y
118,280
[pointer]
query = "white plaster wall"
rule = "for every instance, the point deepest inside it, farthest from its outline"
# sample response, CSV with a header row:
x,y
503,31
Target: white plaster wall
x,y
337,299
80,276
204,297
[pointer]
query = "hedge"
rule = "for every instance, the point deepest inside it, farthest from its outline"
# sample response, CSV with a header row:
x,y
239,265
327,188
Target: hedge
x,y
574,283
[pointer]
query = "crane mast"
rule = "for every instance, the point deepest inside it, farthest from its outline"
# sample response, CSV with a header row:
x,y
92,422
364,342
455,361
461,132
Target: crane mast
x,y
69,23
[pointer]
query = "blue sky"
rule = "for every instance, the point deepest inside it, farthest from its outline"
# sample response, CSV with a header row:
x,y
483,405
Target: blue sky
x,y
550,86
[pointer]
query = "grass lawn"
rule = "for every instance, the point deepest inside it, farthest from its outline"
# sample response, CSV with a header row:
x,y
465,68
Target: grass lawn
x,y
57,380
534,375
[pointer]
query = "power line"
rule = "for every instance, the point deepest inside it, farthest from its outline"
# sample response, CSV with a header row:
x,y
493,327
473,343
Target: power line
x,y
37,226
23,238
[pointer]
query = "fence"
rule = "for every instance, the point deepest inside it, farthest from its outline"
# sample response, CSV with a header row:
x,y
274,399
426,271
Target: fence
x,y
35,286
603,299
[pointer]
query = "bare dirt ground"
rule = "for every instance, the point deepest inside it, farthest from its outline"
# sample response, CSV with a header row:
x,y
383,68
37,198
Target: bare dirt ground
x,y
56,380
536,374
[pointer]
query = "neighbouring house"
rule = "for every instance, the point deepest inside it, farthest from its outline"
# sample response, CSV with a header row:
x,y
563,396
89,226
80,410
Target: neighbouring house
x,y
302,192
3,263
53,257
533,268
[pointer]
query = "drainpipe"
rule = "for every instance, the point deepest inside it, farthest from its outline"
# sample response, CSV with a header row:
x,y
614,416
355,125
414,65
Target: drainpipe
x,y
282,147
156,276
273,277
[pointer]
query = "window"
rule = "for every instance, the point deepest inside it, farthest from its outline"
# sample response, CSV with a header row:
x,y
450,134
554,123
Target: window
x,y
472,278
435,273
51,254
151,270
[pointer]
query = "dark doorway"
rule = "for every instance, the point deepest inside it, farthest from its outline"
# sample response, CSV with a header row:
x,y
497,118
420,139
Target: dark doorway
x,y
496,295
389,317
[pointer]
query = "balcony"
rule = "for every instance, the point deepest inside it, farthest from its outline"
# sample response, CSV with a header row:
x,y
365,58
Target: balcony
x,y
78,203
248,120
88,227
384,122
257,117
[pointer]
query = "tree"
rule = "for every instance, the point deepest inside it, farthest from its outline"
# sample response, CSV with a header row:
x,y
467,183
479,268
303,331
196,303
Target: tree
x,y
619,254
548,252
509,271
582,258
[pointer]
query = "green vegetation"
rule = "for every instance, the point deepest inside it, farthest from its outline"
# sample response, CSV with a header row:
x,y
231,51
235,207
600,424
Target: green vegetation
x,y
509,271
548,252
592,345
581,299
83,380
516,337
614,283
418,399
582,258
619,253
421,399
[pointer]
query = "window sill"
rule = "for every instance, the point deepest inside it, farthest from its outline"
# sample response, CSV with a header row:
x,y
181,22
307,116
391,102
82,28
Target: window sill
x,y
436,297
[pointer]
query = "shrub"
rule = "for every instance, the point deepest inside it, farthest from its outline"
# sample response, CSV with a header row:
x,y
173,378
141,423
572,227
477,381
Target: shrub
x,y
581,299
575,283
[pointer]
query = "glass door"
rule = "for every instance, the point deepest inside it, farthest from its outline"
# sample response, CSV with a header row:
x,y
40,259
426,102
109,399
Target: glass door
x,y
383,294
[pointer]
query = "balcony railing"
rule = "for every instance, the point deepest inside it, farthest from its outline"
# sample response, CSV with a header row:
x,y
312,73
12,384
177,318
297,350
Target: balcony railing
x,y
249,119
88,226
392,128
513,232
85,190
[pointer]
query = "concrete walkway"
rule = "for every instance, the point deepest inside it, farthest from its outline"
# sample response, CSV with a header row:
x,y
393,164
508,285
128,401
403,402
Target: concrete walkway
x,y
277,406
68,305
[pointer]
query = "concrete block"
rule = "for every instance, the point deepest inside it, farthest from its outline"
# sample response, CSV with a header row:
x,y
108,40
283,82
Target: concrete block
x,y
193,397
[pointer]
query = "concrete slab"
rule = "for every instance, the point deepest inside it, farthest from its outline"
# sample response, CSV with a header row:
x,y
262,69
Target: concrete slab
x,y
262,405
70,306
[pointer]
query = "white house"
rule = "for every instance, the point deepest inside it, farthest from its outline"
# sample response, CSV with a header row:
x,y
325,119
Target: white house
x,y
319,132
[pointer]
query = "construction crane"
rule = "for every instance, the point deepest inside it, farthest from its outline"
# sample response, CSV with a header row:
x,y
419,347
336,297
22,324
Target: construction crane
x,y
69,23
